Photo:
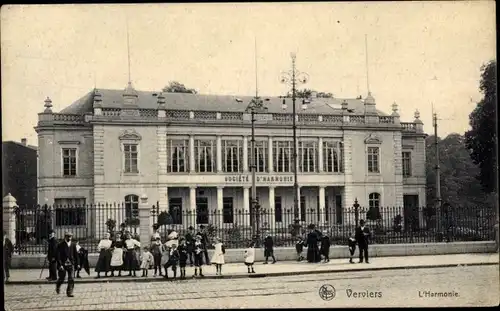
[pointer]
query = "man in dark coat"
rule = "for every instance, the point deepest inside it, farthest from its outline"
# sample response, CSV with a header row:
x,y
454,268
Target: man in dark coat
x,y
312,245
51,256
189,238
67,260
325,247
362,237
205,242
8,249
269,249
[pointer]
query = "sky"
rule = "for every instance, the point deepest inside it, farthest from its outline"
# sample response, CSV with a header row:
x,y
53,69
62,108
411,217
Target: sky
x,y
420,54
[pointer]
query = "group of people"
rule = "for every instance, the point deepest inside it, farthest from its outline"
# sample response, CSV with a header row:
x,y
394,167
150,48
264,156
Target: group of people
x,y
318,244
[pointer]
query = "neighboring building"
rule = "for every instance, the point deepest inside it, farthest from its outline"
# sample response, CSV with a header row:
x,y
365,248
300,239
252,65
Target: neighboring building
x,y
19,172
191,152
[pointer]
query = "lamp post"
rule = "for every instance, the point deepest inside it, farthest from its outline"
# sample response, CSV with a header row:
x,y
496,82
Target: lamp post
x,y
292,78
255,106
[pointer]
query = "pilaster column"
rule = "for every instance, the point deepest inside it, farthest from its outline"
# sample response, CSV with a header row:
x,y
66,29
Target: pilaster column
x,y
219,221
192,207
321,194
320,154
245,154
246,207
271,216
191,154
219,154
9,217
163,200
270,155
347,197
145,221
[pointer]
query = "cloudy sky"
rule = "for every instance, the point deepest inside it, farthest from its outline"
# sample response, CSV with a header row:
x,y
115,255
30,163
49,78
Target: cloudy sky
x,y
420,54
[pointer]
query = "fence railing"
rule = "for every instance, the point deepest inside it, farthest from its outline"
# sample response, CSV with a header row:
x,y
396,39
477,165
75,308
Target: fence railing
x,y
389,225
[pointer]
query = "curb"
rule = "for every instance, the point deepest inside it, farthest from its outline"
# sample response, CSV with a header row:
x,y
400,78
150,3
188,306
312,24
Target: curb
x,y
128,279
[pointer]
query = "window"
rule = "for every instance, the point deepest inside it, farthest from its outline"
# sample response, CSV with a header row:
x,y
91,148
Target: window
x,y
69,161
308,156
282,151
406,159
131,206
232,152
373,160
374,200
178,155
175,210
261,154
201,210
70,212
278,211
302,208
333,157
338,209
227,210
131,158
204,151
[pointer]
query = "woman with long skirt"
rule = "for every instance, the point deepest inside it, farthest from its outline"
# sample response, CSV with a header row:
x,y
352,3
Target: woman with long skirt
x,y
131,263
312,246
104,261
117,256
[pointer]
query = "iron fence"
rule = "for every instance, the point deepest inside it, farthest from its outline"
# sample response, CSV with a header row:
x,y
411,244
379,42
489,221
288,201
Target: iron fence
x,y
389,225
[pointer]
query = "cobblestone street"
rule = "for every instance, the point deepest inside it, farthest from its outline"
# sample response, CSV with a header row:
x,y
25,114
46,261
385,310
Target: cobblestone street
x,y
474,286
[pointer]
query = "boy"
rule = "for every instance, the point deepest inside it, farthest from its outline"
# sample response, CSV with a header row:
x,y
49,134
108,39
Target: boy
x,y
146,260
156,251
299,247
172,261
352,247
269,248
198,256
325,247
183,257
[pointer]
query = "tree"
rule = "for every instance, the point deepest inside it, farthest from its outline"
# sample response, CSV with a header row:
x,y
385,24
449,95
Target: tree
x,y
176,87
481,138
307,93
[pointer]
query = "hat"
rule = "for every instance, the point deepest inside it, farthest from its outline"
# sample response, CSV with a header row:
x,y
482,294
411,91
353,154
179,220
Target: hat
x,y
198,237
67,233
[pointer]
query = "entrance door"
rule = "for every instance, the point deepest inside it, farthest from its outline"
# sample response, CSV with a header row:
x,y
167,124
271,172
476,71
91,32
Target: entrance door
x,y
410,210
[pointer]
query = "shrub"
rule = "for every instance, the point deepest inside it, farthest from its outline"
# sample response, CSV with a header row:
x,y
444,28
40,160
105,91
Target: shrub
x,y
234,233
373,214
111,225
397,223
164,219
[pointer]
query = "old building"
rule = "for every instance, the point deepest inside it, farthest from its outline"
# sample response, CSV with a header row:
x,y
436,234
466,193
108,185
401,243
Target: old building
x,y
19,171
191,153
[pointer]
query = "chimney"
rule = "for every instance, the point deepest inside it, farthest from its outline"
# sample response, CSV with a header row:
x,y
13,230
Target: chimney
x,y
24,141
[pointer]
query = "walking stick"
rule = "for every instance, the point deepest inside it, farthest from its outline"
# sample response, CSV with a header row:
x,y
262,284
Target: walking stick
x,y
43,267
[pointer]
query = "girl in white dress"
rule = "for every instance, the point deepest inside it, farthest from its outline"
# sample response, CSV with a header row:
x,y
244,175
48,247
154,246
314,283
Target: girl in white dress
x,y
146,260
117,256
250,257
218,257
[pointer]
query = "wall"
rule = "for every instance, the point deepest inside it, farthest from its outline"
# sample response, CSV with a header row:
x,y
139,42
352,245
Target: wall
x,y
19,173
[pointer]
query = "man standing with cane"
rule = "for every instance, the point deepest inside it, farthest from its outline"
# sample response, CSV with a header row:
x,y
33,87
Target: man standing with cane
x,y
67,260
362,236
51,256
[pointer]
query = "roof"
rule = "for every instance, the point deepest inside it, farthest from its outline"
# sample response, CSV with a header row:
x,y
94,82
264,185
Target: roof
x,y
199,102
20,144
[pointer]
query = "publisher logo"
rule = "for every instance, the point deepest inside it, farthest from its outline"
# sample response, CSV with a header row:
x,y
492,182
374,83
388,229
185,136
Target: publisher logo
x,y
327,292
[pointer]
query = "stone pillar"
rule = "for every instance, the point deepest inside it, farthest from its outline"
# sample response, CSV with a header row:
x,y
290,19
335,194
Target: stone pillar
x,y
145,221
9,217
246,207
163,202
192,208
219,154
347,197
271,215
321,194
270,158
245,154
398,170
191,154
219,221
320,154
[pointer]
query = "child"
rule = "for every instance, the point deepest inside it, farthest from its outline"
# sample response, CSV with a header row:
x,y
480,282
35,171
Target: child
x,y
250,257
183,256
173,260
218,257
198,253
325,247
352,247
299,247
146,260
268,248
156,251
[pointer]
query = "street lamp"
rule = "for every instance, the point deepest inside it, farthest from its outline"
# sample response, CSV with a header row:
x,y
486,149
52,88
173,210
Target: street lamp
x,y
255,106
292,78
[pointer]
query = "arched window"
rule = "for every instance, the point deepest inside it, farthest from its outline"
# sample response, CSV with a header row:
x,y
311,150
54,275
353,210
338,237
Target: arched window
x,y
131,206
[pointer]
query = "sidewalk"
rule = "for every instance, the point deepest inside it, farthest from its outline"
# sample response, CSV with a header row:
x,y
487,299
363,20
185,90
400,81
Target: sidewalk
x,y
31,276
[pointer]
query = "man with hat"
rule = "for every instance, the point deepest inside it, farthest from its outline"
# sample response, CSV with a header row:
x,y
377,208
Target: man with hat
x,y
51,256
362,236
67,260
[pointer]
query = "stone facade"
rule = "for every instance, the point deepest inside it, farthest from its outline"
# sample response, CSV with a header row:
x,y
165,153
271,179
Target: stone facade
x,y
104,125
